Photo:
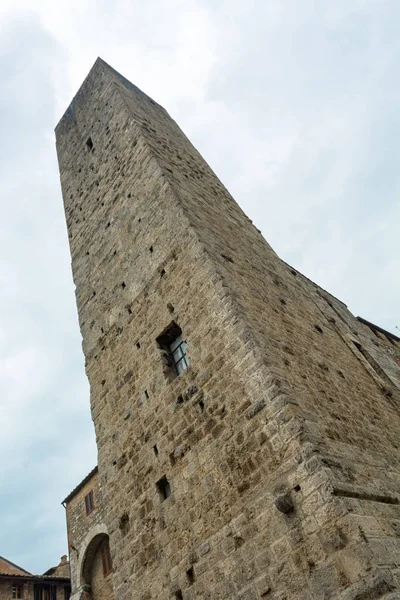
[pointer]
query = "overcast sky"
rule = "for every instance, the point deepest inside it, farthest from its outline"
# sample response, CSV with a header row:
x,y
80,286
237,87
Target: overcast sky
x,y
296,106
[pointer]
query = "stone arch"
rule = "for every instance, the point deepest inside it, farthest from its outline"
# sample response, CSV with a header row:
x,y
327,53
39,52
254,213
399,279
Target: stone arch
x,y
90,567
98,540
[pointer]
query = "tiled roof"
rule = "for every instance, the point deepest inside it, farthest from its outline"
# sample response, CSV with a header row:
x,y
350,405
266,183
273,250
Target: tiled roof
x,y
12,567
28,576
80,485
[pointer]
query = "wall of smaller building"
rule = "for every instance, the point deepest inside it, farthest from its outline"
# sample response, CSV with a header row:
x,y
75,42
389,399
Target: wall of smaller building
x,y
6,588
86,535
101,586
79,523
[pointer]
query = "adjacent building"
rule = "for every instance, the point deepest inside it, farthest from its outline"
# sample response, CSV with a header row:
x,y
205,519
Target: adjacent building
x,y
16,582
247,423
89,551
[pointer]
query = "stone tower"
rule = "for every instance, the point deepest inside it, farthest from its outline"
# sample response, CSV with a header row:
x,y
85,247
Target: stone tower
x,y
247,424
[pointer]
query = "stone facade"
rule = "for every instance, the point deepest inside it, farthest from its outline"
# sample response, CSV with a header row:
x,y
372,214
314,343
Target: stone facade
x,y
61,570
34,588
269,468
88,540
16,582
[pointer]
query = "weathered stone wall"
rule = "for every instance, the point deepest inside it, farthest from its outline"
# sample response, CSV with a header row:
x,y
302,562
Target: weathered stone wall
x,y
78,522
85,533
101,585
278,409
62,570
6,587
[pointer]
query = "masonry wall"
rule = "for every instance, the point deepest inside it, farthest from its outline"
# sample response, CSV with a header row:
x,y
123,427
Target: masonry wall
x,y
62,570
278,409
6,587
80,525
101,586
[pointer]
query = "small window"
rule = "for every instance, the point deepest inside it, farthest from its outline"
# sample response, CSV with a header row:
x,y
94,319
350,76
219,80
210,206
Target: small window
x,y
17,591
89,144
89,502
106,559
175,349
164,488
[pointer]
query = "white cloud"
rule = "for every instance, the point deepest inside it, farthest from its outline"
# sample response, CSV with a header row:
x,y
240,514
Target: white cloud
x,y
294,105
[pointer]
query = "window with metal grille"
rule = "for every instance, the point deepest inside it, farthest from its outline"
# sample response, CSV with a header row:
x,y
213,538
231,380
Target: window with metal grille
x,y
17,591
178,350
89,502
174,348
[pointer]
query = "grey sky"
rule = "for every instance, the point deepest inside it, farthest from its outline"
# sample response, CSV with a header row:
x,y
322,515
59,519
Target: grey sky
x,y
296,107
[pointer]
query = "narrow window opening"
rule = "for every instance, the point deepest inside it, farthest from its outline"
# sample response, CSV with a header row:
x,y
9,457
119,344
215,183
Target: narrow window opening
x,y
89,502
151,249
162,272
146,393
89,144
164,488
138,345
297,488
123,285
155,449
174,350
190,575
178,595
201,405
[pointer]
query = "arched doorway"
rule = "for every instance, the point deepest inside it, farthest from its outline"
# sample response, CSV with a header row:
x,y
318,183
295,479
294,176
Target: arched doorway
x,y
96,574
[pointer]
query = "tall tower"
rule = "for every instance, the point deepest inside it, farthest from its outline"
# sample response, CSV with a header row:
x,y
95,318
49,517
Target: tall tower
x,y
247,424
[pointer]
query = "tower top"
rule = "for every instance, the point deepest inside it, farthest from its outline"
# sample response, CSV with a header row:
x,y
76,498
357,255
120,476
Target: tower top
x,y
100,76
